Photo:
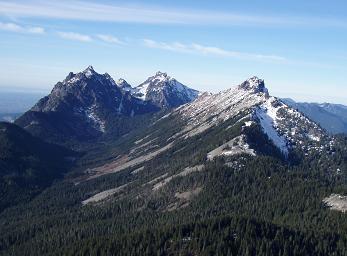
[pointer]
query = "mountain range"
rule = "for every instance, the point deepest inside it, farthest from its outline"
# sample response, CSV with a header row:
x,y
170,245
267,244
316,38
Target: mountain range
x,y
85,105
332,117
162,90
163,169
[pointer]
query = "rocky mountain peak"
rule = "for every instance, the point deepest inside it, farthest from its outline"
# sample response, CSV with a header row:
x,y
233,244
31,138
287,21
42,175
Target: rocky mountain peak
x,y
89,71
164,91
254,84
159,78
69,77
120,81
162,74
82,106
123,84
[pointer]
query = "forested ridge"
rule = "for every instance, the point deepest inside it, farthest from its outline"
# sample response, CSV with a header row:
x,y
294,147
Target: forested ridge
x,y
264,208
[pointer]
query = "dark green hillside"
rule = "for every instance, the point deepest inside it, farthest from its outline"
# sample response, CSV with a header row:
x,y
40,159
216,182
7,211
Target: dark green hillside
x,y
257,206
27,164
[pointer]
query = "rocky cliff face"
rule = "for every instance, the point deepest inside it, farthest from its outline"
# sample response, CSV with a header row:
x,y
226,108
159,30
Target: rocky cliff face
x,y
82,106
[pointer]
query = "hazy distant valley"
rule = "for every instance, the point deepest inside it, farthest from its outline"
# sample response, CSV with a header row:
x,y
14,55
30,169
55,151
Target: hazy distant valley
x,y
14,104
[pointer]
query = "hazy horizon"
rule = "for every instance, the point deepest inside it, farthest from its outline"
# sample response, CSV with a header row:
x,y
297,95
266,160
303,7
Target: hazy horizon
x,y
297,48
40,92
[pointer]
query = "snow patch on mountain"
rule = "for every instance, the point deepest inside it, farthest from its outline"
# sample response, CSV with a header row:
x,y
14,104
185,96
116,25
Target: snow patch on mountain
x,y
95,119
141,91
248,123
289,128
267,115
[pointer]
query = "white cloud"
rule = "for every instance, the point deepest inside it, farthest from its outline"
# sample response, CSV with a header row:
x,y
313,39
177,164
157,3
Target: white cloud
x,y
110,39
36,30
88,11
12,27
209,50
176,47
75,36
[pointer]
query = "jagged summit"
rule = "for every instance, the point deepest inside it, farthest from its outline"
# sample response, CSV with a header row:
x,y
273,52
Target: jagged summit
x,y
82,106
89,71
89,68
157,80
124,85
255,85
165,91
160,89
121,81
163,74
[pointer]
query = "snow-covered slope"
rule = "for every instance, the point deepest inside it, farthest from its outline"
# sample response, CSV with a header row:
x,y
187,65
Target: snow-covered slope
x,y
267,116
292,127
285,127
164,91
213,108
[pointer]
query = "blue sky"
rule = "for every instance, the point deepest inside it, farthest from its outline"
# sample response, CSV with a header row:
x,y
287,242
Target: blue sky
x,y
298,47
